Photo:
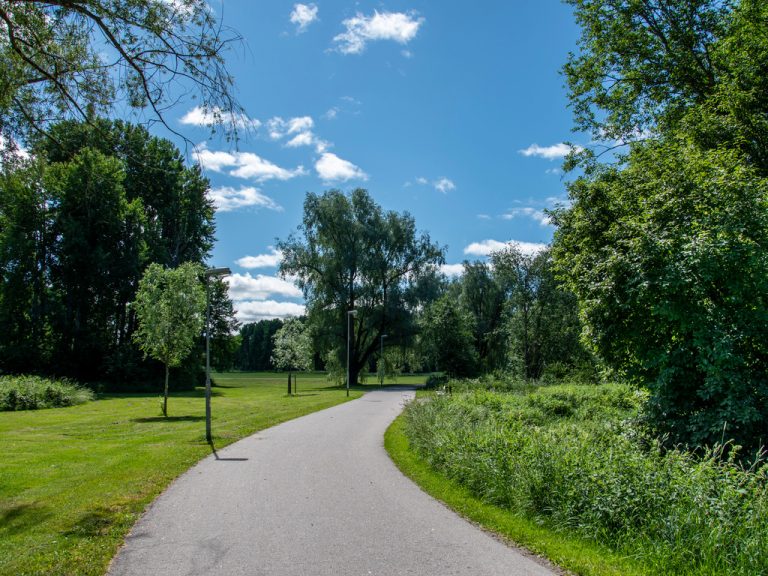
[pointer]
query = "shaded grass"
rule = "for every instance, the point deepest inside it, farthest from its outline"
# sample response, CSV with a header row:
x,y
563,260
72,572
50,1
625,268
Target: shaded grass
x,y
74,480
572,553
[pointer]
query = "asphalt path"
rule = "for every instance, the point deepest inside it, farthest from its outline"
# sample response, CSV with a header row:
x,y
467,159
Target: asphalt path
x,y
314,496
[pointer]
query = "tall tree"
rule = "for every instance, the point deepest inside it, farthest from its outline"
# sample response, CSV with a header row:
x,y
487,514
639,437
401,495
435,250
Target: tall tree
x,y
170,306
446,340
352,255
63,58
541,316
98,247
483,297
664,248
25,238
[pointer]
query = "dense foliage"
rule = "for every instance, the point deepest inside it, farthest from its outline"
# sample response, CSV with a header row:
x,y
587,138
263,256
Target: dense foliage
x,y
573,458
256,345
33,393
664,248
79,223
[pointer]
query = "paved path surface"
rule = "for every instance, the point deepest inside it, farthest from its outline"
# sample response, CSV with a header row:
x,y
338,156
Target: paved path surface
x,y
314,496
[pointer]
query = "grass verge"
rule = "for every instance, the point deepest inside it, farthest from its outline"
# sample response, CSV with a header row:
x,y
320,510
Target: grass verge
x,y
568,552
73,481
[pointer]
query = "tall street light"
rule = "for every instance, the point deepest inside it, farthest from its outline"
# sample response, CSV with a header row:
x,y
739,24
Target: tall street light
x,y
381,359
216,273
350,313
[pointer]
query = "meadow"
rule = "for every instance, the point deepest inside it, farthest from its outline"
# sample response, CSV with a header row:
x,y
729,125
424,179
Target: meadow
x,y
74,480
567,471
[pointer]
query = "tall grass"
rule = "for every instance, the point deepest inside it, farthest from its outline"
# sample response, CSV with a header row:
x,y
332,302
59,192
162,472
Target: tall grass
x,y
571,457
35,392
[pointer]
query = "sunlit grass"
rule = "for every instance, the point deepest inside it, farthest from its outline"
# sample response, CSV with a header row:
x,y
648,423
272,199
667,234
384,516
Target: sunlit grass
x,y
74,480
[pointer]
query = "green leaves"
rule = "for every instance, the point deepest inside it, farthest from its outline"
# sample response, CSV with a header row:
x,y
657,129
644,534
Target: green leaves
x,y
170,307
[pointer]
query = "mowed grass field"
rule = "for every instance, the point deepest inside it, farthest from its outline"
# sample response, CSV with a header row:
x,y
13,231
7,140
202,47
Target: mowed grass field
x,y
74,480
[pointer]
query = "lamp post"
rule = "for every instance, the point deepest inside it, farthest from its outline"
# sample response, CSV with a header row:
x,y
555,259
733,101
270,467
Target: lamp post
x,y
350,313
217,273
381,359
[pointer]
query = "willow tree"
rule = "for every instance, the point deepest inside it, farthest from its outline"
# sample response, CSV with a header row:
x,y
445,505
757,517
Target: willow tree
x,y
350,254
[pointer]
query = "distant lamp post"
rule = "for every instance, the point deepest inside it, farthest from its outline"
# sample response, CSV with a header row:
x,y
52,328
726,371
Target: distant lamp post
x,y
350,313
381,359
216,273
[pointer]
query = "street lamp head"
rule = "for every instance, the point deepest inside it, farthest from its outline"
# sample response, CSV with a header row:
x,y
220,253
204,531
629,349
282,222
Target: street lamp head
x,y
218,272
352,312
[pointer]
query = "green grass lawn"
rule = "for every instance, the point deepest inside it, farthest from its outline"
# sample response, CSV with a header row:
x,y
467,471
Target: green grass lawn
x,y
74,480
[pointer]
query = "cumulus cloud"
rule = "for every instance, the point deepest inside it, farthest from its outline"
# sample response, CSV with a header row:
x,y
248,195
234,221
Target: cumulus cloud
x,y
270,260
299,130
538,215
332,168
200,116
259,287
452,269
303,15
559,150
244,165
267,310
444,185
485,247
227,199
397,26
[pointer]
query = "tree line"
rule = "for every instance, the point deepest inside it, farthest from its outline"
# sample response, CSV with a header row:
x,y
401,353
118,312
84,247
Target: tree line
x,y
81,218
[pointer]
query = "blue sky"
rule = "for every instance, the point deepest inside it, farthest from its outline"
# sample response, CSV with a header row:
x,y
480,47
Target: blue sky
x,y
452,111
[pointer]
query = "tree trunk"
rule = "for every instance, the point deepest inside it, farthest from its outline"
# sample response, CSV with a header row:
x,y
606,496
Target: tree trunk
x,y
165,393
289,383
354,372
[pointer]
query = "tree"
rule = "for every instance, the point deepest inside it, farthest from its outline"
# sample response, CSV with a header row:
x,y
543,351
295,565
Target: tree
x,y
664,248
65,58
224,343
446,339
293,348
483,297
667,259
542,322
352,255
97,247
170,306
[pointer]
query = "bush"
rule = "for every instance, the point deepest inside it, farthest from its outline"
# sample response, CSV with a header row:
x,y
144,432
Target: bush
x,y
34,392
435,380
570,457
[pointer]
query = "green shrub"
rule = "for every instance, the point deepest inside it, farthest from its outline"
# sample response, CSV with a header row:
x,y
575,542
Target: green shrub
x,y
35,392
570,457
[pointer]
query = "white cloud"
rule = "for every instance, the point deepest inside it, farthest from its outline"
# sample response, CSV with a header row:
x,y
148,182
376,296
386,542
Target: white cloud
x,y
485,247
332,113
259,287
244,165
483,217
560,150
200,116
267,310
257,168
303,139
227,199
332,168
280,128
452,269
303,15
444,185
396,26
270,260
538,215
421,180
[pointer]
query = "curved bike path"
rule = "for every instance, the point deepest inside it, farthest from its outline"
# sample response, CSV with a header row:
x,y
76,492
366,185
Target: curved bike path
x,y
313,496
